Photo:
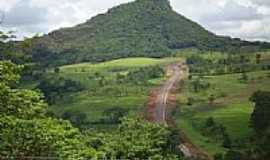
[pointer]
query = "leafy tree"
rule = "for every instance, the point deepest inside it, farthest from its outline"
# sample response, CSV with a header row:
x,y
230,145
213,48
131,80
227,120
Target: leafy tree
x,y
137,139
114,115
55,87
43,138
233,155
263,145
77,118
142,75
198,84
244,77
9,72
210,122
218,156
190,101
211,99
227,143
260,119
258,58
20,103
56,70
26,132
216,131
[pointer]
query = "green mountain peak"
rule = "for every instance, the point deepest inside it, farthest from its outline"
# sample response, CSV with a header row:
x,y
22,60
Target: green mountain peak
x,y
142,28
159,3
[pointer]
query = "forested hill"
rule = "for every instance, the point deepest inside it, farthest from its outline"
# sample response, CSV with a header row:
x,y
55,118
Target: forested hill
x,y
142,28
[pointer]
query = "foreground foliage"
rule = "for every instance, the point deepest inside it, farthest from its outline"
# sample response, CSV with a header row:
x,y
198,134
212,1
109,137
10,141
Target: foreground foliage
x,y
26,131
137,139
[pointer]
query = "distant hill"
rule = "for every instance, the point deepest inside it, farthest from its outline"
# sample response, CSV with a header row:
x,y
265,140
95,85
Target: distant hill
x,y
142,28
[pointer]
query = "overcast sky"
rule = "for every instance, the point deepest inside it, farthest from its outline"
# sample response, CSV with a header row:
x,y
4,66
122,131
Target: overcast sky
x,y
247,19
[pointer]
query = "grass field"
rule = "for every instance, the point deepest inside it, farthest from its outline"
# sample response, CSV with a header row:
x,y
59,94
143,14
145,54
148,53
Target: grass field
x,y
95,98
231,107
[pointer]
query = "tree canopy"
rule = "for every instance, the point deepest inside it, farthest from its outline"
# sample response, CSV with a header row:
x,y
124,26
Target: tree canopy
x,y
26,132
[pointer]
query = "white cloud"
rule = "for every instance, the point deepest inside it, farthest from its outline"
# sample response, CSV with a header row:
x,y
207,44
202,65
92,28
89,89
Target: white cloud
x,y
6,5
246,19
236,18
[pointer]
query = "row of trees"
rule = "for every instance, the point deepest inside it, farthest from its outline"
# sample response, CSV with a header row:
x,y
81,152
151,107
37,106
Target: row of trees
x,y
55,87
141,75
229,64
111,116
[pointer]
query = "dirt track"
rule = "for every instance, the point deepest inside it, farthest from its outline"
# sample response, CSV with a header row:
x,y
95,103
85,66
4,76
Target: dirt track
x,y
165,96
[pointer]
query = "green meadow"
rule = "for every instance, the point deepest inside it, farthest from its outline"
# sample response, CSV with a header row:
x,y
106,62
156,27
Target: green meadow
x,y
95,99
231,108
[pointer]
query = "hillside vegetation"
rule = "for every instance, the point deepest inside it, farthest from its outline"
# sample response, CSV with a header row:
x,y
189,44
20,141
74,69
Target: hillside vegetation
x,y
148,28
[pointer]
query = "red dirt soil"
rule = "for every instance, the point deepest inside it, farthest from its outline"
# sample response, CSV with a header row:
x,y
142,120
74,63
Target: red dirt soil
x,y
187,146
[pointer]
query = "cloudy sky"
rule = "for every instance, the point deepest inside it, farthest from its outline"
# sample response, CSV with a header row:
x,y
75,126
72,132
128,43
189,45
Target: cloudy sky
x,y
247,19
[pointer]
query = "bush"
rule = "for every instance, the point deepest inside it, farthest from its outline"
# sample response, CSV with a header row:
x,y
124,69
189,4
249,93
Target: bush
x,y
114,115
218,156
77,118
142,75
233,155
55,87
216,131
190,101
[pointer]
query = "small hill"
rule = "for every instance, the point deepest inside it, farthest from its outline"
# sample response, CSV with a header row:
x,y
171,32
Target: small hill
x,y
147,28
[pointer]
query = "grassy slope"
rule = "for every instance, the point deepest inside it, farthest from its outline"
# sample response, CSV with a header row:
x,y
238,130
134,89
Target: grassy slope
x,y
232,110
95,99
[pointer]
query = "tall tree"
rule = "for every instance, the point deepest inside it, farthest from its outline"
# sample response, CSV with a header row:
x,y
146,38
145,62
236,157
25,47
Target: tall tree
x,y
260,119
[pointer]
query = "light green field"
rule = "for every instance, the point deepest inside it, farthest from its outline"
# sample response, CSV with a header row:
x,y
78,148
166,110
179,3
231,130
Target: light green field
x,y
95,99
235,118
125,63
232,109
